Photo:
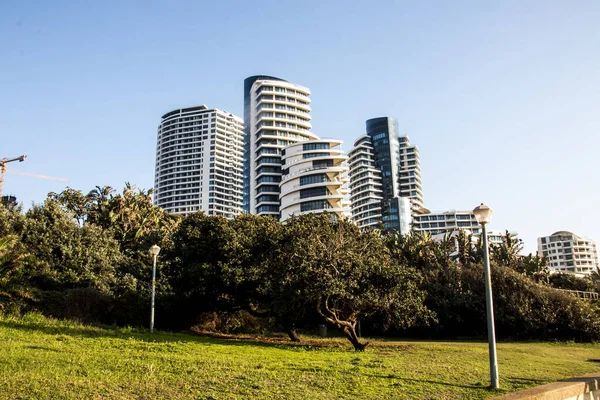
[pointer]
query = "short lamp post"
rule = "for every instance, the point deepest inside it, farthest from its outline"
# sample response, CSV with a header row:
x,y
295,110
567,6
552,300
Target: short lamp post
x,y
483,214
154,250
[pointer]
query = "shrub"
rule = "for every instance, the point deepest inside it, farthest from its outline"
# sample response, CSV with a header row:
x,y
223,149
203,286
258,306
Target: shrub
x,y
232,322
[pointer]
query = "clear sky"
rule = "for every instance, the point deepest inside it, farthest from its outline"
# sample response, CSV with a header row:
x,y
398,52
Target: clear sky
x,y
502,97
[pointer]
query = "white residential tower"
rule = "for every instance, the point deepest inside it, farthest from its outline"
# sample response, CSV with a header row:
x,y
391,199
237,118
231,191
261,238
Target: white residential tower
x,y
199,164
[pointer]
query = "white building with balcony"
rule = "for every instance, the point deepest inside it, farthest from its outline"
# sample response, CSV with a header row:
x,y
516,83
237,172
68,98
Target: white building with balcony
x,y
314,179
494,237
366,185
567,252
199,162
445,222
277,114
450,222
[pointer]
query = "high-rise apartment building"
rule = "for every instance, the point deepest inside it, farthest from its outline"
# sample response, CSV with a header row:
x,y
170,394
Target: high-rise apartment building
x,y
199,162
276,114
567,252
366,185
385,177
314,179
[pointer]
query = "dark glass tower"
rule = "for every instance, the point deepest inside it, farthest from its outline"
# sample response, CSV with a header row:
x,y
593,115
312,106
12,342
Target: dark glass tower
x,y
398,164
383,132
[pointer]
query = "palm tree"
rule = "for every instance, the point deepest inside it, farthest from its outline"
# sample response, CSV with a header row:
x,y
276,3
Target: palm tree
x,y
508,252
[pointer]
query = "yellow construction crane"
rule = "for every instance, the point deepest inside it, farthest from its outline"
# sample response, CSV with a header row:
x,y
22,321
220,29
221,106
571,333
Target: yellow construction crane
x,y
3,163
3,171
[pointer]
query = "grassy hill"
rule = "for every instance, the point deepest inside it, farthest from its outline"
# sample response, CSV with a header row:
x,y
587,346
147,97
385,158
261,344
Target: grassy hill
x,y
48,359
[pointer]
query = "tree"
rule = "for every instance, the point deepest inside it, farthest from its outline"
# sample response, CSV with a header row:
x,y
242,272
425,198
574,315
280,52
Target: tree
x,y
13,279
468,251
571,282
67,255
508,252
11,221
346,274
534,267
73,202
198,261
420,250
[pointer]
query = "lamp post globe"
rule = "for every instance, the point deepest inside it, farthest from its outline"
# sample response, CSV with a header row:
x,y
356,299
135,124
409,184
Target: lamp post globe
x,y
154,250
483,214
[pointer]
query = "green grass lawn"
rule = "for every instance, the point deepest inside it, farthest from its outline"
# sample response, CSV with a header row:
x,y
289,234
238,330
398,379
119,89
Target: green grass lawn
x,y
49,359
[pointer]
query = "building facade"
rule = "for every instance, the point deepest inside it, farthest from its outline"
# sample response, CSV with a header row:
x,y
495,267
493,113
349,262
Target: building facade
x,y
385,177
445,222
493,237
314,179
567,252
366,184
199,162
276,114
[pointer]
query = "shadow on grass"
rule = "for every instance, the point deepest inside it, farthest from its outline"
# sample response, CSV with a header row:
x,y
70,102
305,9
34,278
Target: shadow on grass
x,y
515,382
524,381
42,348
420,381
157,337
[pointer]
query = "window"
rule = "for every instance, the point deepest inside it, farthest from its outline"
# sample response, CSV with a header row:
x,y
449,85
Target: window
x,y
315,146
261,170
269,178
268,208
267,198
268,188
313,155
323,163
313,192
269,160
310,179
314,205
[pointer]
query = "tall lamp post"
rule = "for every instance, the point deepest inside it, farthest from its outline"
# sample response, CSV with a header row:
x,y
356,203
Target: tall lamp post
x,y
154,250
483,214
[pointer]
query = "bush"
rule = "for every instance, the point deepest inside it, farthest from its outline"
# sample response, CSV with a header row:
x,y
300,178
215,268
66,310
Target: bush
x,y
523,309
571,282
86,305
235,322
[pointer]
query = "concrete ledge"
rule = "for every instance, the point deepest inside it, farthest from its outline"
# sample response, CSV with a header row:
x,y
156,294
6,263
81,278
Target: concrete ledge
x,y
586,387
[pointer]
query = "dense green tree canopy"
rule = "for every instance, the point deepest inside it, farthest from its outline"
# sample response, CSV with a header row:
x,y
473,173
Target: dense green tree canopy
x,y
86,256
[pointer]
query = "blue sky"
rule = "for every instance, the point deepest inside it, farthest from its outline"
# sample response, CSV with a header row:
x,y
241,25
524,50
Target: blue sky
x,y
502,98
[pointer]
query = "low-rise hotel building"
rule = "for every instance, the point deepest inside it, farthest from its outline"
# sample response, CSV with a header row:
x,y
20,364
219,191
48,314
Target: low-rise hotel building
x,y
567,252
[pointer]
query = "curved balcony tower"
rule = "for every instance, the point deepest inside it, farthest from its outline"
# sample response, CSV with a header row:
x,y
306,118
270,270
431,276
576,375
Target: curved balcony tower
x,y
314,179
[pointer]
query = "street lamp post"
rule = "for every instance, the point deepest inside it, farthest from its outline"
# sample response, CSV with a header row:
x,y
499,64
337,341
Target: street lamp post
x,y
483,214
154,250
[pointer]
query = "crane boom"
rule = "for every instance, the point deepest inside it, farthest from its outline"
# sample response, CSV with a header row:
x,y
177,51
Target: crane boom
x,y
3,163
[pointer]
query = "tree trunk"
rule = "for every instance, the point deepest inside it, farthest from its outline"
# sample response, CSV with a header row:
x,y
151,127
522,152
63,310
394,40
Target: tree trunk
x,y
350,334
293,335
